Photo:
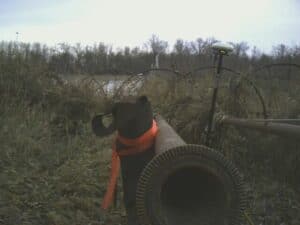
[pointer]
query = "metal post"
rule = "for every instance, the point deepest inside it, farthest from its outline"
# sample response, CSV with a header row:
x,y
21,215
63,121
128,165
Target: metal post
x,y
220,50
282,129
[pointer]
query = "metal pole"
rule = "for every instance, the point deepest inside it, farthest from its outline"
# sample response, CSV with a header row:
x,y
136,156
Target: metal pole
x,y
213,102
220,51
282,129
289,121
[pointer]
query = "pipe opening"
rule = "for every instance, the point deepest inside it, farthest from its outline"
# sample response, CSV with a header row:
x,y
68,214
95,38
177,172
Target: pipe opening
x,y
194,196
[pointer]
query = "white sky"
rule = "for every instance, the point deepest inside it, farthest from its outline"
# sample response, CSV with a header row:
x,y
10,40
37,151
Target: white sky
x,y
262,23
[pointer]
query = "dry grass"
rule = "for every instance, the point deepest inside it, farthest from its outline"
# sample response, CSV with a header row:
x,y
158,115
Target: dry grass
x,y
54,171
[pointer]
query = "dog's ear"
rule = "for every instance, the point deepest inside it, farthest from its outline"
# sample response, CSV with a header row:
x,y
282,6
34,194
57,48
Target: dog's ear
x,y
142,99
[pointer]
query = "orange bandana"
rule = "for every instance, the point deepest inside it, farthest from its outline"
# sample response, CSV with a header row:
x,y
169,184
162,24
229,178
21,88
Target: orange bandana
x,y
135,146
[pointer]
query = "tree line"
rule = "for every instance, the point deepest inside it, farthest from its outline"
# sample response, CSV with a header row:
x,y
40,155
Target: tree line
x,y
102,59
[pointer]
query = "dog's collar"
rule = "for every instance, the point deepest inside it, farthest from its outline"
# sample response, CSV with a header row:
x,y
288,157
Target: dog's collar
x,y
145,139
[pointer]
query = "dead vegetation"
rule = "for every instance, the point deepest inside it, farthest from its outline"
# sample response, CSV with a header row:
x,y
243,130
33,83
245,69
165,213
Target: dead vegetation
x,y
54,171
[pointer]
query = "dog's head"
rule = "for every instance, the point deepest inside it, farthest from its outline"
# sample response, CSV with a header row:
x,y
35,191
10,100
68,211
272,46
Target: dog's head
x,y
130,118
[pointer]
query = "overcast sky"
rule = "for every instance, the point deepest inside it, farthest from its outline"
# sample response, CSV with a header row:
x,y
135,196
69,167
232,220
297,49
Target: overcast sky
x,y
261,23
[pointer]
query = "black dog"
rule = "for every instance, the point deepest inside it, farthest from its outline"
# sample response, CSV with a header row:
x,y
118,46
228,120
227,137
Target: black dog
x,y
131,119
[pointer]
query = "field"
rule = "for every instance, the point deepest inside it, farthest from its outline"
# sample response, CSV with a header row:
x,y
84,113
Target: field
x,y
53,170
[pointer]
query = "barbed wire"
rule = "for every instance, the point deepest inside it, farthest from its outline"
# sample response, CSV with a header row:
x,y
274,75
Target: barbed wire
x,y
137,78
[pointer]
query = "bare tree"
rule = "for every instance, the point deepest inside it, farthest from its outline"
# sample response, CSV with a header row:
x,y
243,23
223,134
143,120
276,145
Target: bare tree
x,y
157,47
240,49
280,51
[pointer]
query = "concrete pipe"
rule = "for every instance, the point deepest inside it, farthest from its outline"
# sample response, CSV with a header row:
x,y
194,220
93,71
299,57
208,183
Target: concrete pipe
x,y
188,185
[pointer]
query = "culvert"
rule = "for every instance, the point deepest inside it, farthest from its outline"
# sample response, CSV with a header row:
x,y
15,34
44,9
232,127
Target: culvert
x,y
188,185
